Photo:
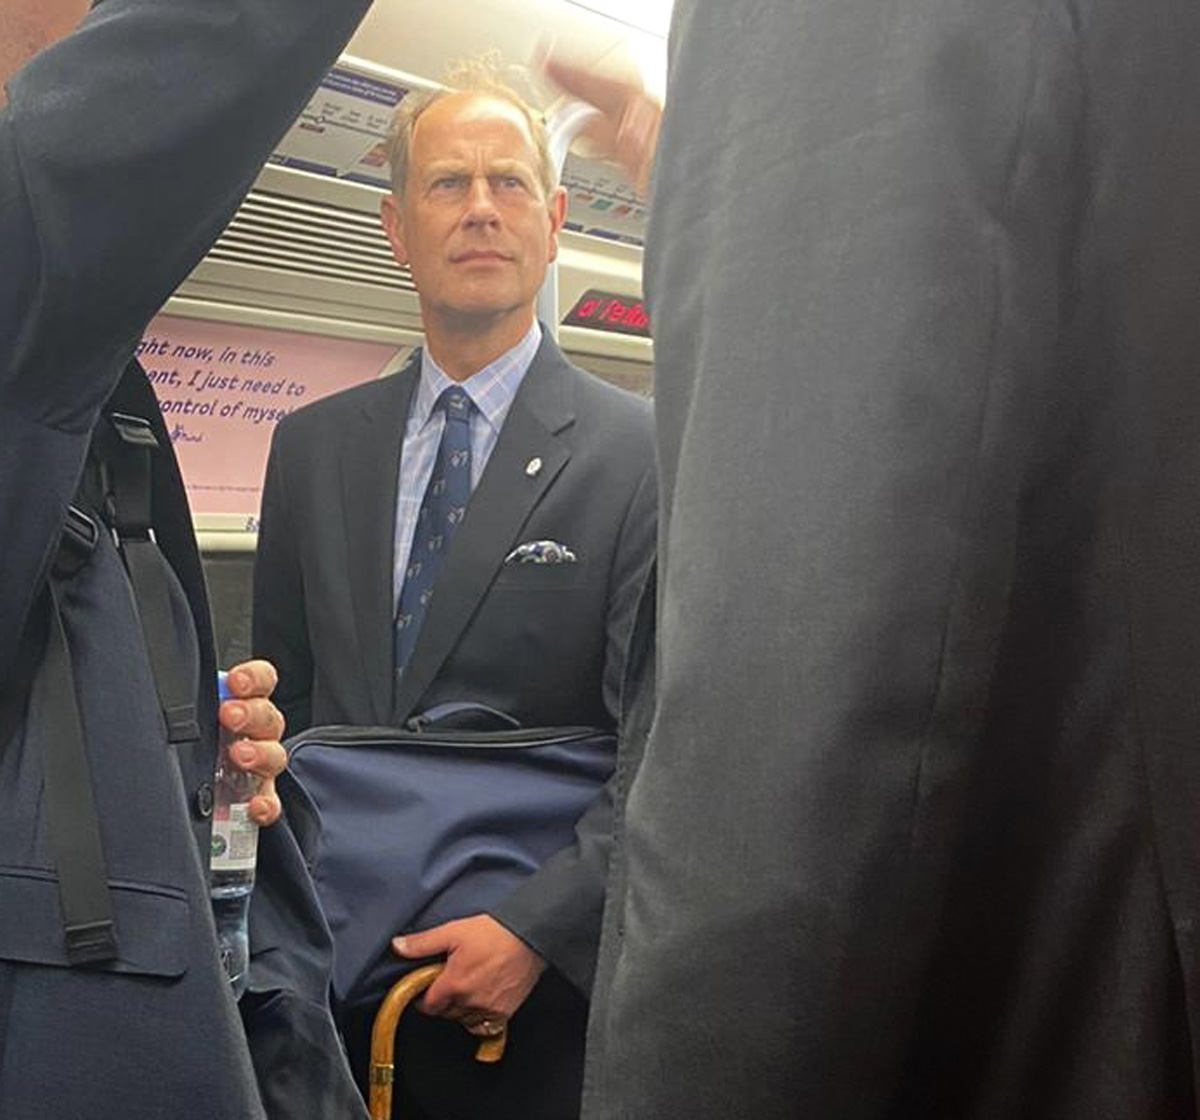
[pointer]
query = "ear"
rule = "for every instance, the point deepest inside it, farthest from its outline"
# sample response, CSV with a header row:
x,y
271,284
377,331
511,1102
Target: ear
x,y
393,226
558,215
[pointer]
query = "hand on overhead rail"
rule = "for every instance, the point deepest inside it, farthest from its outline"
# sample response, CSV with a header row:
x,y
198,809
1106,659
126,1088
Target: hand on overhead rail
x,y
629,130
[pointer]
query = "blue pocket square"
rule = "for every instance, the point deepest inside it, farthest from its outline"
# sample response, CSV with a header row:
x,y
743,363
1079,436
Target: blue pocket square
x,y
541,552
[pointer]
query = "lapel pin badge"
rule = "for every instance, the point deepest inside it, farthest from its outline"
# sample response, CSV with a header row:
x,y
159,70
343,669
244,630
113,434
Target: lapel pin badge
x,y
533,467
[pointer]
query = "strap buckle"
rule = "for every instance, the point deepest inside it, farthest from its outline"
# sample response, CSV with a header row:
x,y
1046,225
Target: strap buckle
x,y
134,430
80,535
130,491
91,942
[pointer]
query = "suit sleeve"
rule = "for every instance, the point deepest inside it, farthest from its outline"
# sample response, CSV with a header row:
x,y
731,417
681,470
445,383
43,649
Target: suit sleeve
x,y
856,268
280,631
558,910
635,553
123,151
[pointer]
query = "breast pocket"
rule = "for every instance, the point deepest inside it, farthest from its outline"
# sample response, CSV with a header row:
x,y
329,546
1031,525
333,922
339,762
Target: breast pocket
x,y
529,576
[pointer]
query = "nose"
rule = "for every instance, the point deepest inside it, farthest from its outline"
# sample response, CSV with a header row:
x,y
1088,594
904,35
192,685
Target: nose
x,y
481,205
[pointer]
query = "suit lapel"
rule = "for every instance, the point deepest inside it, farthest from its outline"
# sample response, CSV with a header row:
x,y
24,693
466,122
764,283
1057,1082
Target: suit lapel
x,y
370,464
535,427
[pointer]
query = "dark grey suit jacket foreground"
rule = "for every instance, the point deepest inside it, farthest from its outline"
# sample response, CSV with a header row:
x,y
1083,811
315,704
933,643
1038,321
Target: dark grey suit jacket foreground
x,y
917,829
122,153
544,643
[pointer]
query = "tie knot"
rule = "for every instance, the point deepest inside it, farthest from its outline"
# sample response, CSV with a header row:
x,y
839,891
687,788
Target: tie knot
x,y
454,402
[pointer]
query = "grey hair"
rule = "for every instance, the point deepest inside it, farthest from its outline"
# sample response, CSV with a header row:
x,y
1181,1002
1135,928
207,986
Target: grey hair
x,y
481,74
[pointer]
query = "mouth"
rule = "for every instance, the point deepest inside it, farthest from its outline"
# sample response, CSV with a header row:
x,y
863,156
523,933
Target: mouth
x,y
480,256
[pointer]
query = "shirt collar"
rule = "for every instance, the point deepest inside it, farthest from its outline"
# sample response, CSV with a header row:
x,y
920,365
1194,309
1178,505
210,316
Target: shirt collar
x,y
491,389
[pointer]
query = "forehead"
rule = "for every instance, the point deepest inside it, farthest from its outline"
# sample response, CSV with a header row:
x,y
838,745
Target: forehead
x,y
53,17
65,11
463,125
40,22
28,26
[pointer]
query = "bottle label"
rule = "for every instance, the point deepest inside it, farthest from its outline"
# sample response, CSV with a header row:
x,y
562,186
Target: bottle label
x,y
234,840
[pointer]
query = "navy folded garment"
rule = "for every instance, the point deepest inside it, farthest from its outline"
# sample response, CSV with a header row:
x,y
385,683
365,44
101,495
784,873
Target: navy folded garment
x,y
404,830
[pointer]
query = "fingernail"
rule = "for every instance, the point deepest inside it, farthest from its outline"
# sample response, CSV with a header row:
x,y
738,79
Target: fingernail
x,y
235,714
244,752
242,682
400,945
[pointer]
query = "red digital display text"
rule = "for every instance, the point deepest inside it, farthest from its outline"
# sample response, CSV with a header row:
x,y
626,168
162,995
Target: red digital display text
x,y
607,311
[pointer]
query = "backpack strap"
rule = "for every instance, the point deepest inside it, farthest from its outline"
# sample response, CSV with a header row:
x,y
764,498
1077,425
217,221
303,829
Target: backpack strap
x,y
72,827
126,452
118,480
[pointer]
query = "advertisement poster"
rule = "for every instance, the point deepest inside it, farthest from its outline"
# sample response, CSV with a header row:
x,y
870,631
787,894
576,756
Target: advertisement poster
x,y
343,133
601,202
222,389
343,130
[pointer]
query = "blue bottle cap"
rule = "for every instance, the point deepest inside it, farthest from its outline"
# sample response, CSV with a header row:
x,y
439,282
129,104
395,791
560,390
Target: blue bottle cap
x,y
223,692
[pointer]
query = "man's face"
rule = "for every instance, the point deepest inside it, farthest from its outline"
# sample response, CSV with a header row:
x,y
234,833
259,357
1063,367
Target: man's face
x,y
26,26
475,224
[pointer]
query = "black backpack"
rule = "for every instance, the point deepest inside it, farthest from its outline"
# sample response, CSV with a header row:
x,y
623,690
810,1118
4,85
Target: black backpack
x,y
131,490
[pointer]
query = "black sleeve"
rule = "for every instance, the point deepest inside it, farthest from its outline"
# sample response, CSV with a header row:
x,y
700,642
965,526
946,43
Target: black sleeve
x,y
123,151
635,552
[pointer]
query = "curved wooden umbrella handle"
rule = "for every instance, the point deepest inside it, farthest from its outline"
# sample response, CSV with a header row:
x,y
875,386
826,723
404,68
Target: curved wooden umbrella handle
x,y
382,1072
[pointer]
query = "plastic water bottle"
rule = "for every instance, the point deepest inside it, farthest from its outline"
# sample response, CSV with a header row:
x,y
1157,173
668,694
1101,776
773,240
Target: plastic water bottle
x,y
234,850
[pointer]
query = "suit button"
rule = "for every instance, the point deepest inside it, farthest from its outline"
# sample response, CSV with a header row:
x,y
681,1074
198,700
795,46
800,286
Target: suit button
x,y
204,799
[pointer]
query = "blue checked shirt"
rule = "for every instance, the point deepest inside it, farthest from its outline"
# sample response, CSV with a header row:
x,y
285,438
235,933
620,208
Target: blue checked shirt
x,y
491,390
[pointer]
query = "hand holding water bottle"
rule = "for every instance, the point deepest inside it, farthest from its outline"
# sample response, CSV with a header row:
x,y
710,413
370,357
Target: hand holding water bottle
x,y
248,759
256,727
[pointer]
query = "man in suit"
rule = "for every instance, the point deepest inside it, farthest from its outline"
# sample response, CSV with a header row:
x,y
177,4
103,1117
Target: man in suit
x,y
123,149
363,632
924,840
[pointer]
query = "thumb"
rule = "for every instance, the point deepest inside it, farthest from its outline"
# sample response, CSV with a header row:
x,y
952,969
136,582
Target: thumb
x,y
427,943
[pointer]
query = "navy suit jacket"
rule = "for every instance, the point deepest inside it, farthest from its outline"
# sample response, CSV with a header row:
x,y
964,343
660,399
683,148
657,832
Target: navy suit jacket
x,y
545,643
123,151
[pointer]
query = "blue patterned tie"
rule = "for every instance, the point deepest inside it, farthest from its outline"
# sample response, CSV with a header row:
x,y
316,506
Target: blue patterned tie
x,y
442,511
